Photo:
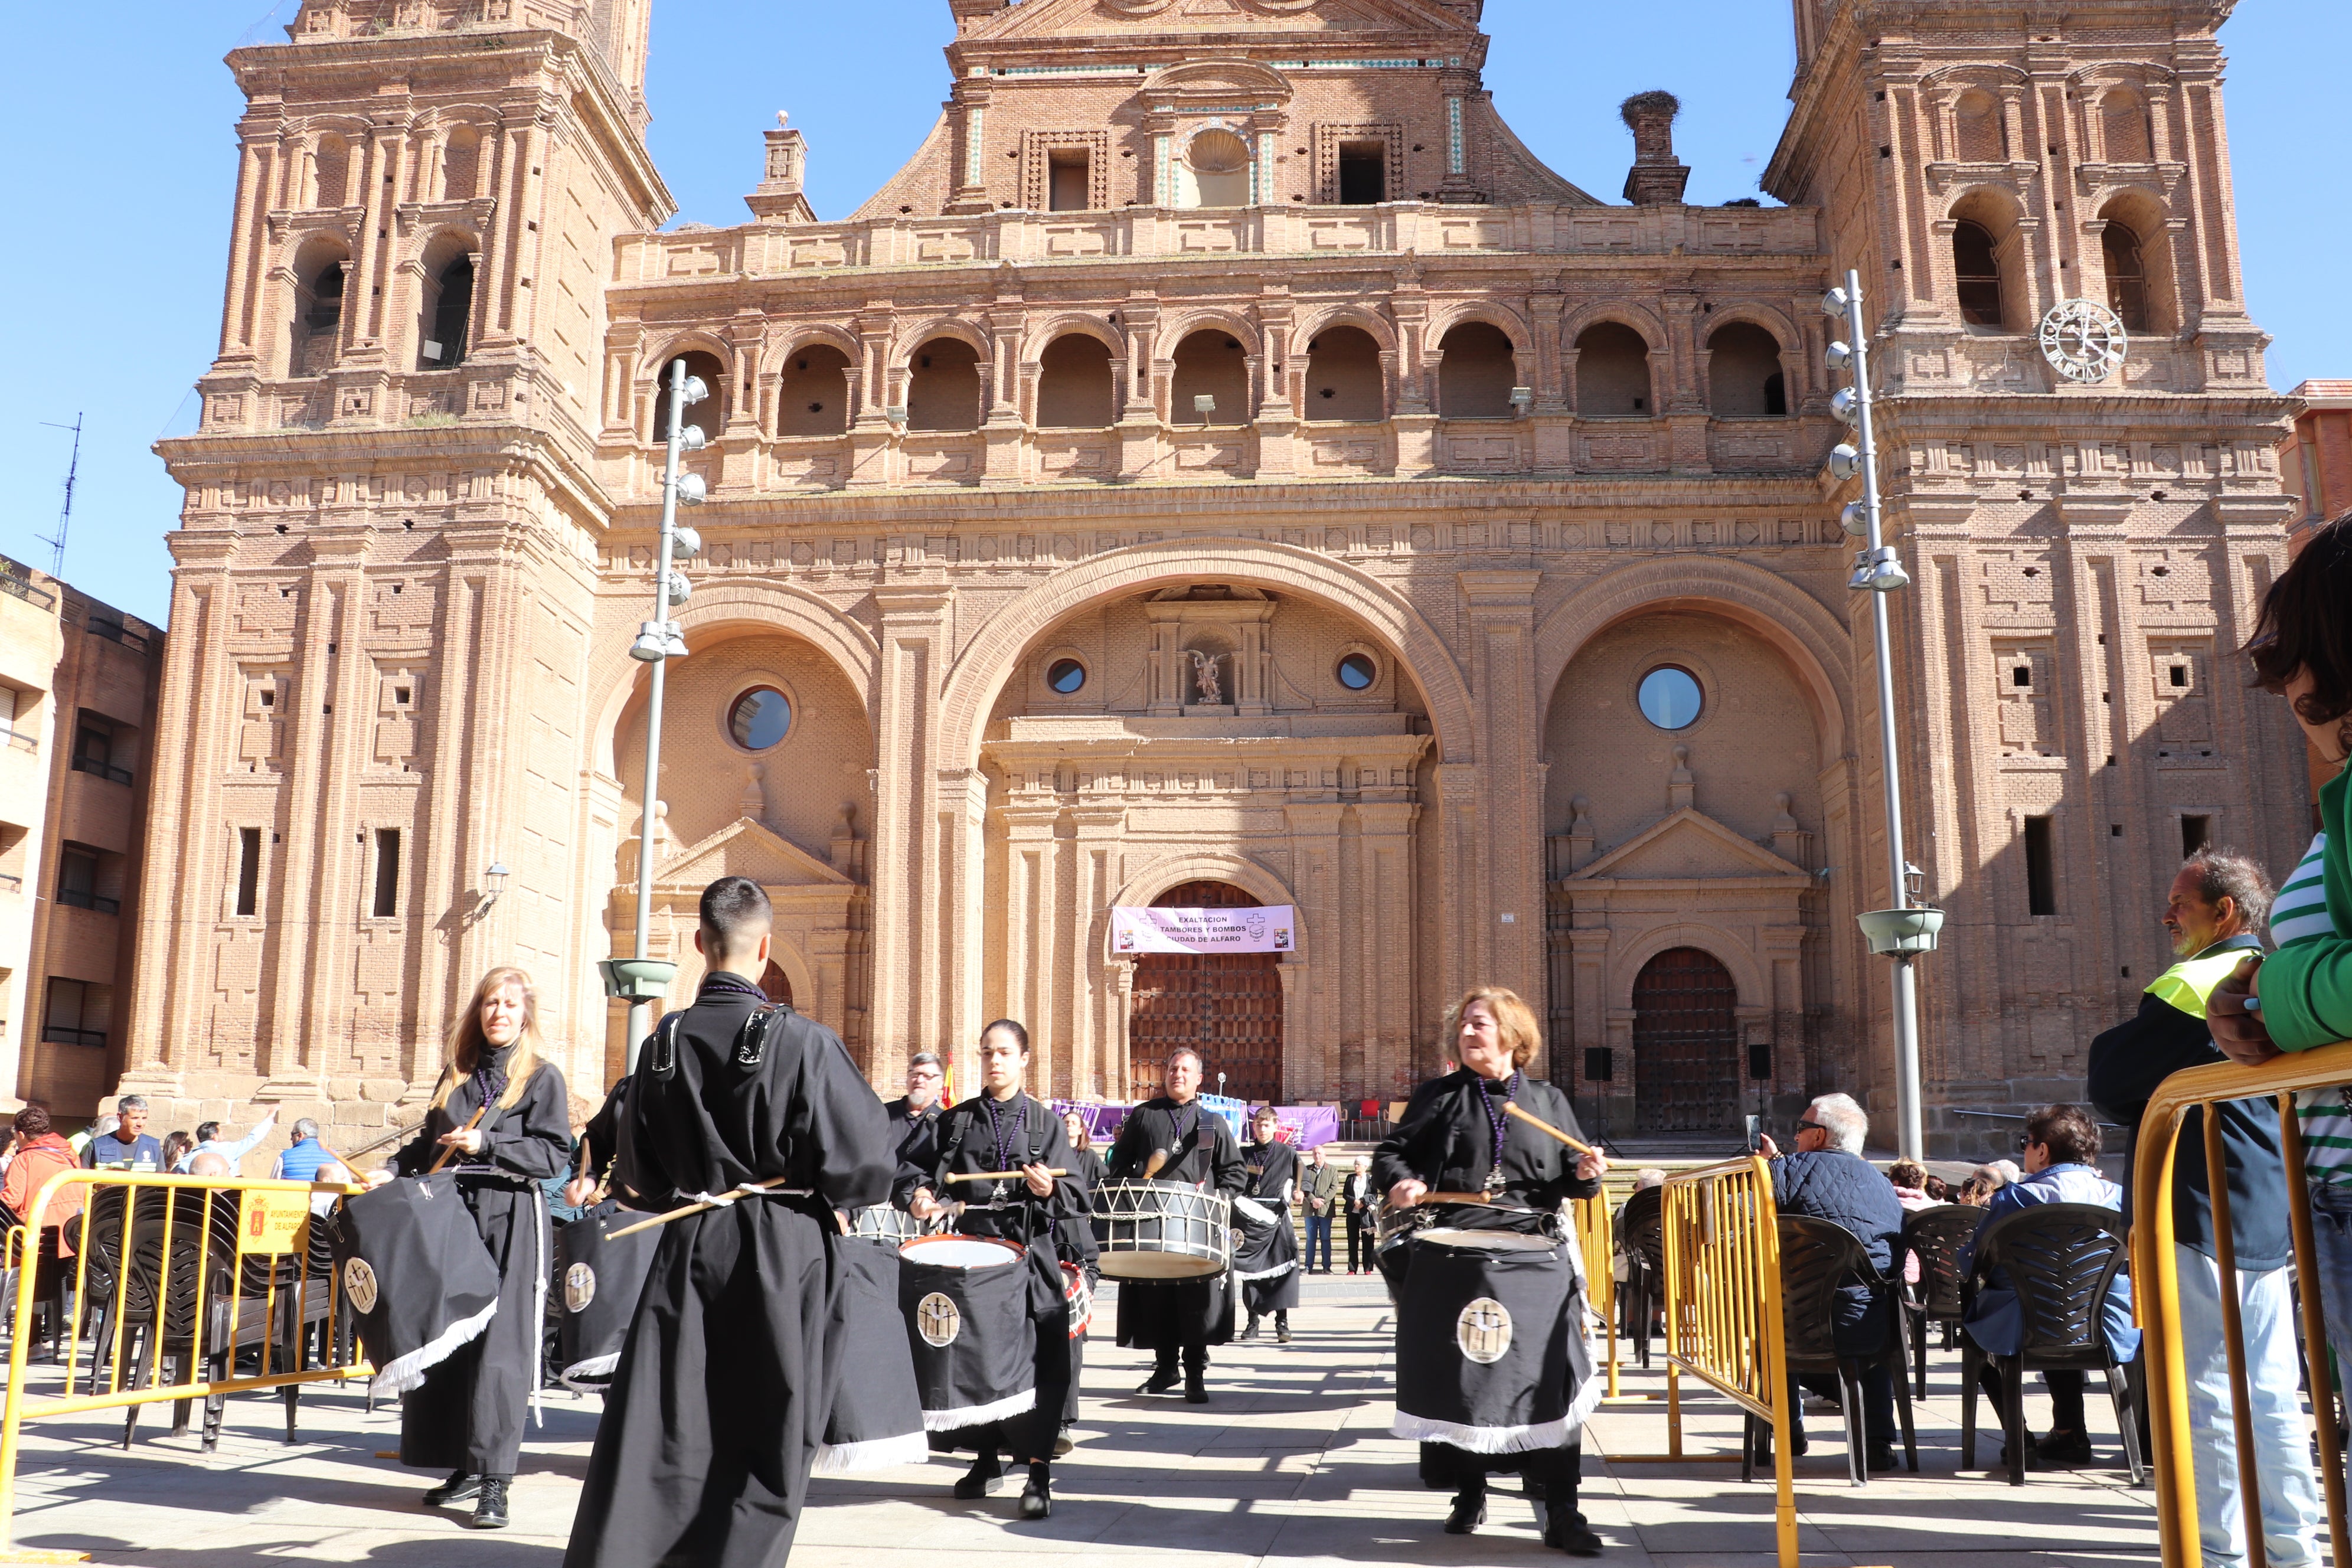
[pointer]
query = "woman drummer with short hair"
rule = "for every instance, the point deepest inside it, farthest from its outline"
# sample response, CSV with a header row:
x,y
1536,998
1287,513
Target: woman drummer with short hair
x,y
1458,1137
500,1115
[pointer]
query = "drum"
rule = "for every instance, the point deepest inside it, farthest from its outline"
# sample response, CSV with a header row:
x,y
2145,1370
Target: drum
x,y
877,1419
1162,1230
413,1266
1490,1348
597,1282
891,1225
1079,1295
965,1299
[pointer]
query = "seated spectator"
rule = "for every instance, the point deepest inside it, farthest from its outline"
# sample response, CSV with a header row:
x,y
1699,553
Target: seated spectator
x,y
1827,1178
1999,1173
1649,1176
331,1172
2062,1152
1909,1179
209,1141
1937,1190
303,1158
98,1129
211,1163
175,1149
1976,1191
126,1145
41,1152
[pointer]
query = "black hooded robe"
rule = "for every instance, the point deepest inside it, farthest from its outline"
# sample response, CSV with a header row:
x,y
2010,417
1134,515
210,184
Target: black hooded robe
x,y
468,1413
1168,1315
1266,1260
727,1377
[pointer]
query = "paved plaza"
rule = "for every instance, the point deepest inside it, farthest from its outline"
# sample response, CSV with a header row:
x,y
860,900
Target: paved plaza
x,y
1291,1463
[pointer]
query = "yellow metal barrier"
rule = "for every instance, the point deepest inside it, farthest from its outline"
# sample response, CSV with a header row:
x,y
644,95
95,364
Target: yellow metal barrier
x,y
1597,1243
2155,1288
175,1259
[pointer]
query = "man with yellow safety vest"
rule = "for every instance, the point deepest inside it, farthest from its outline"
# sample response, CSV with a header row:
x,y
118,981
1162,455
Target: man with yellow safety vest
x,y
2214,915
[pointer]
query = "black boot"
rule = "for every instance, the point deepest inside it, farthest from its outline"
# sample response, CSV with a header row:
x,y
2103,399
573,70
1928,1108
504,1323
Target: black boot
x,y
1468,1512
1282,1328
1249,1330
986,1476
1196,1376
461,1485
490,1507
1162,1378
1037,1497
1565,1527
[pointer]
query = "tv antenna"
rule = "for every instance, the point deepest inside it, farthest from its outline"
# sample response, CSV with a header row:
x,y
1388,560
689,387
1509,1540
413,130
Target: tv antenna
x,y
65,516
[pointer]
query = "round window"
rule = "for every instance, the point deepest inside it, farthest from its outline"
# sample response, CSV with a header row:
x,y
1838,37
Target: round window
x,y
1356,672
1066,676
759,718
1670,698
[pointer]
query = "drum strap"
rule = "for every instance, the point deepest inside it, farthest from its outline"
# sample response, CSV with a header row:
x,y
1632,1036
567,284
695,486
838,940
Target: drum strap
x,y
665,1051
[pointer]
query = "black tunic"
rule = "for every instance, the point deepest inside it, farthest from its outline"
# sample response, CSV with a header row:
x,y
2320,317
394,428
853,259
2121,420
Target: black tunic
x,y
1446,1140
731,1368
1032,1133
1266,1261
919,1147
1171,1314
468,1413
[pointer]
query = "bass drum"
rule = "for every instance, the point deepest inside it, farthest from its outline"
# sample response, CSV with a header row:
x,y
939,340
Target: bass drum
x,y
1490,1350
885,1223
597,1282
1162,1230
965,1299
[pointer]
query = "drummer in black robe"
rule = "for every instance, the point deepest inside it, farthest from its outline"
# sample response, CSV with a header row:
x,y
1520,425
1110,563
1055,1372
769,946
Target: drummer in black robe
x,y
1456,1136
915,1118
501,1117
728,1375
1174,1138
1079,1249
1004,1129
1265,1263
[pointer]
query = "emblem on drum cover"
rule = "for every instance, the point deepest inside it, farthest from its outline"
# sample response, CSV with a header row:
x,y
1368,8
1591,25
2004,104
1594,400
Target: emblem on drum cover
x,y
578,1287
1484,1331
939,1321
359,1284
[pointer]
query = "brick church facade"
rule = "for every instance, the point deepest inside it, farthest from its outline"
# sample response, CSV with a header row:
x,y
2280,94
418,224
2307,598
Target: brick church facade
x,y
1225,465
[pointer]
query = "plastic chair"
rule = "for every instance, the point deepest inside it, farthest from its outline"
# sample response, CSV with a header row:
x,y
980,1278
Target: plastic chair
x,y
1817,1259
1641,1242
1936,1237
2061,1259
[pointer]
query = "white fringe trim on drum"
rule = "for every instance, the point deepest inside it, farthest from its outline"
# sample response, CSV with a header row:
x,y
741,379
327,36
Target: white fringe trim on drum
x,y
874,1454
1484,1439
980,1414
401,1373
590,1376
1275,1273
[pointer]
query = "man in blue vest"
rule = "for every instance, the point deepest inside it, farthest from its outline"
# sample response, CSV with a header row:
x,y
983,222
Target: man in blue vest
x,y
2214,915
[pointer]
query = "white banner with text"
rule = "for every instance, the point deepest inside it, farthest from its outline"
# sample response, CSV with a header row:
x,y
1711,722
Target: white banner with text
x,y
1264,930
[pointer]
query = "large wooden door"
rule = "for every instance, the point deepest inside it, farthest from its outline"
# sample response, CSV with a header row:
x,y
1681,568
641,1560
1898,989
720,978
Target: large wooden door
x,y
1685,1044
1227,1007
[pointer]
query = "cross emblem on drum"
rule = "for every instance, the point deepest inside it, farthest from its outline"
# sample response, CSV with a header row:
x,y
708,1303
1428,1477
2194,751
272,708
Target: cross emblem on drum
x,y
938,1321
1484,1331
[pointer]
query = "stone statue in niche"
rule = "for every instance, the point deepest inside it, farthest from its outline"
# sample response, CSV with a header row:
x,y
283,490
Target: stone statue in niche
x,y
1209,689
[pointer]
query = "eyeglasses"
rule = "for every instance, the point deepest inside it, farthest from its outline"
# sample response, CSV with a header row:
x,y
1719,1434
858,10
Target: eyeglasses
x,y
1803,1126
2026,1141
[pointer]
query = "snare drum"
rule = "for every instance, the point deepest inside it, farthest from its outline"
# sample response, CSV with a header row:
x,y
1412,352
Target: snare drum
x,y
887,1224
1162,1230
966,1303
1490,1344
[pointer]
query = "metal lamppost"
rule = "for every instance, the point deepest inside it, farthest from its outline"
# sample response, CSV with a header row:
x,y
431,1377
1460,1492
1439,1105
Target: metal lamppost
x,y
641,980
1908,929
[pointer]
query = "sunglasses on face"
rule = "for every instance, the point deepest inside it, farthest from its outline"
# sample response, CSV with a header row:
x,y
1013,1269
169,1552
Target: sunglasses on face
x,y
1811,1127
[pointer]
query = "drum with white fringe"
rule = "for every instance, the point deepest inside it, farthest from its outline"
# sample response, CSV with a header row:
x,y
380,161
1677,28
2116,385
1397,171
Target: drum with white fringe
x,y
1490,1348
411,1262
597,1281
877,1418
965,1299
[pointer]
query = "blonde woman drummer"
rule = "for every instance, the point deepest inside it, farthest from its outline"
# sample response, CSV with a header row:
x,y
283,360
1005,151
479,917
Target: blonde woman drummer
x,y
501,1116
1458,1136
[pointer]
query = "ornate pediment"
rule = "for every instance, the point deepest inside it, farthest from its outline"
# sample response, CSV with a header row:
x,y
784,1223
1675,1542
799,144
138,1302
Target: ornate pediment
x,y
746,848
1101,19
1687,846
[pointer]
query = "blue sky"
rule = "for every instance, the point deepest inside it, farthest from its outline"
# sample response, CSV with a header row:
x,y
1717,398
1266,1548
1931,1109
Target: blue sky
x,y
121,160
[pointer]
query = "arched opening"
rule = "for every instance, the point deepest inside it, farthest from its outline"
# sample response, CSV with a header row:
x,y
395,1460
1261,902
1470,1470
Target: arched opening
x,y
1983,137
2123,120
1976,270
2127,275
1744,380
1073,383
943,386
461,165
1613,373
1214,171
316,329
1210,364
330,171
1685,1044
1227,1007
447,319
1475,377
1344,380
710,415
777,985
813,393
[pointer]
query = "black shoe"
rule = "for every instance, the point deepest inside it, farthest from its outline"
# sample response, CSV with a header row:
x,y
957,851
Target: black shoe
x,y
986,1476
1161,1380
1064,1442
1567,1531
2064,1448
1249,1332
460,1486
1196,1388
1879,1459
1282,1329
490,1509
1037,1497
1799,1444
1469,1511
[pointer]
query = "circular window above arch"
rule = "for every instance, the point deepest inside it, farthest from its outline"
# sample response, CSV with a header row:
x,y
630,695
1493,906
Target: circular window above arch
x,y
760,718
1358,671
1671,698
1067,677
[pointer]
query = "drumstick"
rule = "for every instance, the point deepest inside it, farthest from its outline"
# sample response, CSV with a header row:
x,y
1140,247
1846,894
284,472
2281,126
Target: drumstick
x,y
1481,1199
690,1208
450,1149
1152,1167
998,1175
1541,1125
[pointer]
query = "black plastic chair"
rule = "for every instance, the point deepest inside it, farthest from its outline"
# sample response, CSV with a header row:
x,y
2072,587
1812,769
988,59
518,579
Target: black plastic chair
x,y
1817,1259
1640,1235
1936,1237
2061,1259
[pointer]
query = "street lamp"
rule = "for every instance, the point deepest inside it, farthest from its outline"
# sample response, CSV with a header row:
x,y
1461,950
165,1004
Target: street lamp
x,y
1907,929
642,980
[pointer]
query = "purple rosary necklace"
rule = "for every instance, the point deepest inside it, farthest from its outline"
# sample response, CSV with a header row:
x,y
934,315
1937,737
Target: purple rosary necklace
x,y
1495,1120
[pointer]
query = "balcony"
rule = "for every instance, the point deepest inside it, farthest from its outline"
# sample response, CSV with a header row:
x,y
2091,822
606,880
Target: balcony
x,y
38,597
116,632
58,1035
75,898
102,768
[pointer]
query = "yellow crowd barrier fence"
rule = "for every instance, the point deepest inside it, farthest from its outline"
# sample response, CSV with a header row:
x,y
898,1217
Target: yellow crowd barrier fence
x,y
1597,1241
200,1273
2156,1292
